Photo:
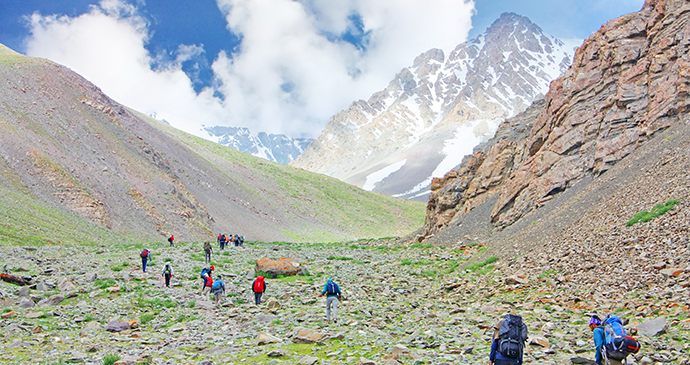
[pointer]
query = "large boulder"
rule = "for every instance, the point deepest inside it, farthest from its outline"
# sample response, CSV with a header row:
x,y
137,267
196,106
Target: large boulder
x,y
282,266
52,300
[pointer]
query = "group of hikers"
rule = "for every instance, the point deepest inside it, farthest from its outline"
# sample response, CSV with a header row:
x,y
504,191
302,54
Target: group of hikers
x,y
224,240
611,342
217,288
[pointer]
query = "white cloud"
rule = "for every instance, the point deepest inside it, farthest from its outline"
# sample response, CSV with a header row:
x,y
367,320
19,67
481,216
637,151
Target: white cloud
x,y
288,75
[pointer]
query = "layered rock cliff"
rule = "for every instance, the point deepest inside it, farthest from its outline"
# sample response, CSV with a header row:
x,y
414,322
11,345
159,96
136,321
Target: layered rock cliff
x,y
628,81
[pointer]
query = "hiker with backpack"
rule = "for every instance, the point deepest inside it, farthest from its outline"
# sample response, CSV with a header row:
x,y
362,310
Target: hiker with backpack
x,y
258,287
145,257
167,274
218,289
611,342
207,251
332,292
207,275
171,239
221,241
510,335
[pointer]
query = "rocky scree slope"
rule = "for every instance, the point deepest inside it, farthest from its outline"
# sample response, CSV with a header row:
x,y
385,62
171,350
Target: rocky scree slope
x,y
628,82
405,305
71,154
434,112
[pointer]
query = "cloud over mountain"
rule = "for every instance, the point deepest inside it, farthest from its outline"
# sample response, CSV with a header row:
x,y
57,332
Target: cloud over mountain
x,y
298,62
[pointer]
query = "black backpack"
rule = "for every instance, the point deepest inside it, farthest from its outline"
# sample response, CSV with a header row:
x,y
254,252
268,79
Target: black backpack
x,y
512,336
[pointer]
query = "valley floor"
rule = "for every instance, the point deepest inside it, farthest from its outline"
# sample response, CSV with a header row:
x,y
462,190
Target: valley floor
x,y
404,305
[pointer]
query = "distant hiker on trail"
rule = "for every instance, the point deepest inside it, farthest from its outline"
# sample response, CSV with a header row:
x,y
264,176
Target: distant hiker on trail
x,y
145,256
223,241
167,274
258,287
332,292
510,334
207,250
218,288
207,275
611,342
171,239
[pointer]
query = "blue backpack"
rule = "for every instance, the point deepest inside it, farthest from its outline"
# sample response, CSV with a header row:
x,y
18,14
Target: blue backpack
x,y
617,343
332,288
204,271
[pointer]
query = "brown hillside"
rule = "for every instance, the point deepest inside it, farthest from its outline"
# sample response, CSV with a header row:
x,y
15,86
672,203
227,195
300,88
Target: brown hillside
x,y
68,147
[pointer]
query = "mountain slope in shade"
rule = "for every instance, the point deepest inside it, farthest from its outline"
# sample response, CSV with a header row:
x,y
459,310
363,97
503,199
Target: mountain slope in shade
x,y
70,154
273,147
434,112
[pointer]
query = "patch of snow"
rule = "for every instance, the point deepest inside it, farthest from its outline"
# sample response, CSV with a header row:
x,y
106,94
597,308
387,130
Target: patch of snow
x,y
379,175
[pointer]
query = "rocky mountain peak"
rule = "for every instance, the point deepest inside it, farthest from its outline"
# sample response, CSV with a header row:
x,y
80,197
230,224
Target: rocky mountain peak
x,y
435,111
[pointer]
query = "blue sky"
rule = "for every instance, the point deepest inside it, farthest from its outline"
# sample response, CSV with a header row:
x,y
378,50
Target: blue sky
x,y
279,66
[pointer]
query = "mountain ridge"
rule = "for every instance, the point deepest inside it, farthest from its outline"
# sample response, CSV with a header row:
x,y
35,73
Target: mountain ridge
x,y
67,147
435,111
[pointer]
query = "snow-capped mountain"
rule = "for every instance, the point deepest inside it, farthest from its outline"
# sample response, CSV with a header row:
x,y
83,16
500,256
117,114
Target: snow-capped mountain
x,y
273,147
436,111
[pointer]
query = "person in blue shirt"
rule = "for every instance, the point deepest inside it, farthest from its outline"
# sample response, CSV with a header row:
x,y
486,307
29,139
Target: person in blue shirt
x,y
332,292
599,338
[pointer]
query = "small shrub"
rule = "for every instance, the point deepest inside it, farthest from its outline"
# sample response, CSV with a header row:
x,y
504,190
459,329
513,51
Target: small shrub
x,y
146,318
477,267
658,210
110,359
104,283
339,258
422,245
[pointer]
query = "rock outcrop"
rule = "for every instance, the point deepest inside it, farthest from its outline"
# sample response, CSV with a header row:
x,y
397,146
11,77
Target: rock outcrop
x,y
628,81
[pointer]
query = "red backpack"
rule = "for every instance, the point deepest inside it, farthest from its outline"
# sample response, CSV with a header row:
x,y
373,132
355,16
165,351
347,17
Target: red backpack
x,y
144,253
259,286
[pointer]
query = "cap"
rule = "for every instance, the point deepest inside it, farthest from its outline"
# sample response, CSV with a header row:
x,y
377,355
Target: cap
x,y
212,268
595,320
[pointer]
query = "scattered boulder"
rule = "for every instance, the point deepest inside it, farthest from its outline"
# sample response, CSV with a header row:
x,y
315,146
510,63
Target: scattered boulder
x,y
282,266
67,285
305,335
308,360
365,361
51,300
117,326
273,304
26,303
652,327
265,338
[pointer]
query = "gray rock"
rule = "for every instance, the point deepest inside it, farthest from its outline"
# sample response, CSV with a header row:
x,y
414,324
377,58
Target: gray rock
x,y
117,326
653,327
266,338
26,303
23,291
52,300
308,360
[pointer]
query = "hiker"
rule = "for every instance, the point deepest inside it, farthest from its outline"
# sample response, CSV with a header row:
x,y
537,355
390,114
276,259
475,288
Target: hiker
x,y
510,334
599,338
145,257
207,275
221,241
207,250
611,342
258,287
171,239
332,292
236,239
241,238
167,274
218,289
